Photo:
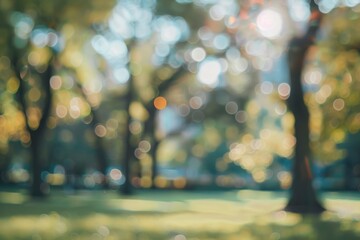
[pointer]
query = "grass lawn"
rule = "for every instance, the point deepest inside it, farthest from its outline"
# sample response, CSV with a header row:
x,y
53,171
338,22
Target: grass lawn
x,y
174,215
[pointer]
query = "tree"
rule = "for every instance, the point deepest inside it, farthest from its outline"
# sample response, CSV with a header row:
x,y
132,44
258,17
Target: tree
x,y
146,70
150,126
32,45
269,26
35,112
334,126
303,198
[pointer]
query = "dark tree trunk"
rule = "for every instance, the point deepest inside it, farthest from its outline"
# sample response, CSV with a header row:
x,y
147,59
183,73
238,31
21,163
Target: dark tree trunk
x,y
303,197
150,124
38,186
4,165
154,166
150,130
126,188
348,174
101,156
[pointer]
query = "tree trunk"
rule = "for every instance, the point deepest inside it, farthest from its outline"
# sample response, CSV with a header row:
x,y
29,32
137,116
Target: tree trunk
x,y
153,151
303,198
38,186
348,177
150,125
126,188
154,166
101,156
4,166
150,134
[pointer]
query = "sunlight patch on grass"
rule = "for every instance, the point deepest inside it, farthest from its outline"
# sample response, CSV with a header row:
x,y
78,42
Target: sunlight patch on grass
x,y
254,194
203,222
279,218
344,208
24,227
139,205
213,206
12,197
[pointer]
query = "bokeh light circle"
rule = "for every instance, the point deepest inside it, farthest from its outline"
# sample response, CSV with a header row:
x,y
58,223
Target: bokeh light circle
x,y
269,23
160,103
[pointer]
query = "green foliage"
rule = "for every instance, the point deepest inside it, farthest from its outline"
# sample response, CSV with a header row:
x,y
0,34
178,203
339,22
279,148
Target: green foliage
x,y
57,12
193,14
336,97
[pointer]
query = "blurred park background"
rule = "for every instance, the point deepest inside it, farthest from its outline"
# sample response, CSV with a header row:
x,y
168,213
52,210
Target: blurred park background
x,y
113,101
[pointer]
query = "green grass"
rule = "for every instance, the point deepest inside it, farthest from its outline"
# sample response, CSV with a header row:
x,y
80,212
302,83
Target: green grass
x,y
174,215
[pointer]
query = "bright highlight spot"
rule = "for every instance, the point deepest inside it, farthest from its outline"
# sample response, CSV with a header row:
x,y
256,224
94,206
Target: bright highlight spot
x,y
115,174
61,111
144,146
121,75
100,130
221,41
328,5
284,90
314,76
299,10
269,23
351,3
160,103
209,72
195,102
241,64
12,85
55,82
170,33
217,12
198,54
266,87
339,104
135,127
